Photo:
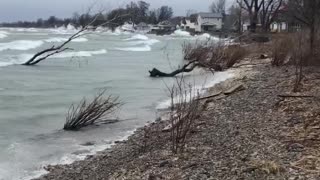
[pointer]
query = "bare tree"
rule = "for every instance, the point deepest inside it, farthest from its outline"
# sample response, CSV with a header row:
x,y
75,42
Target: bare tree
x,y
268,12
252,7
306,12
218,6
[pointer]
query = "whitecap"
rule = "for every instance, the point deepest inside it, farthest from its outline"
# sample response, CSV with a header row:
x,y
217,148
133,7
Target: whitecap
x,y
136,49
20,45
138,37
3,34
147,42
180,33
60,39
79,54
15,59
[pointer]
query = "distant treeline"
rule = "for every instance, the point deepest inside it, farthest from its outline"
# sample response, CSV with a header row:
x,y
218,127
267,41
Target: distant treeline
x,y
134,12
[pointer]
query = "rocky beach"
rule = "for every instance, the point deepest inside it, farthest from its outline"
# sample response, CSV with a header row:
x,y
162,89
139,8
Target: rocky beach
x,y
261,131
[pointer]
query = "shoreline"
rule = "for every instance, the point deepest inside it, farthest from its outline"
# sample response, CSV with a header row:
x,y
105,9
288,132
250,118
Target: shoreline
x,y
233,74
250,134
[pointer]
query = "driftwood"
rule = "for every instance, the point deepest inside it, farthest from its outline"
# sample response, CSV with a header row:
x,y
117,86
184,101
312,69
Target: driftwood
x,y
210,96
157,73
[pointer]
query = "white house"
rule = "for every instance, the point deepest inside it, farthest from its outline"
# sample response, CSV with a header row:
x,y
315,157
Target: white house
x,y
208,22
188,25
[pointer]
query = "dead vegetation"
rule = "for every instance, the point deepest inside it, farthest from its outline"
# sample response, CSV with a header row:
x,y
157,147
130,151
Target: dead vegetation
x,y
184,111
214,55
95,111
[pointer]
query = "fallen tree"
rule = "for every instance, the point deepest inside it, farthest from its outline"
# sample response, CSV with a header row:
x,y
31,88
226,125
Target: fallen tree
x,y
213,57
185,68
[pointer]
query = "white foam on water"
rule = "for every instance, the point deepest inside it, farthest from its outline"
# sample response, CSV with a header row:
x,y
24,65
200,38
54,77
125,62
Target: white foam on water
x,y
147,42
136,49
3,34
64,30
60,39
22,58
26,29
218,77
70,158
20,45
180,33
15,59
137,37
79,54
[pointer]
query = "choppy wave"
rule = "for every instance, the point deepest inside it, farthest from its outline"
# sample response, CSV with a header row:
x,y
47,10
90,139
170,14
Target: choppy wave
x,y
3,34
22,58
60,39
138,37
137,40
147,42
15,59
79,54
136,49
181,33
20,45
69,29
218,77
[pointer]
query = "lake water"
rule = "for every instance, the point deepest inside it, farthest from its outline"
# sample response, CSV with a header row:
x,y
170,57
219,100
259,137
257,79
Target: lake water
x,y
35,99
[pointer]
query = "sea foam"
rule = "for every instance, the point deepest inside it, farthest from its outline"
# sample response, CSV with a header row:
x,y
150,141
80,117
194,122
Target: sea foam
x,y
136,49
20,45
217,78
79,54
60,39
3,34
181,33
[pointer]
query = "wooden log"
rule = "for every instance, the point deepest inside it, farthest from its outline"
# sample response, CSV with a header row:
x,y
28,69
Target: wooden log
x,y
210,96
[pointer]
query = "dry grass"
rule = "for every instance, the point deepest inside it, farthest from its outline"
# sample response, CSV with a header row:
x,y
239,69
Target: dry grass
x,y
91,112
268,167
281,49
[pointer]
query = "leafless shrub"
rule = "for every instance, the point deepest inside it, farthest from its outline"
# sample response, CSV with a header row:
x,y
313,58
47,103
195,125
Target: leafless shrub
x,y
213,55
281,48
233,54
197,51
185,109
91,112
300,58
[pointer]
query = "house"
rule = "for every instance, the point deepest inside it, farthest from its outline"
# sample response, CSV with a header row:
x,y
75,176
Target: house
x,y
188,25
284,22
207,22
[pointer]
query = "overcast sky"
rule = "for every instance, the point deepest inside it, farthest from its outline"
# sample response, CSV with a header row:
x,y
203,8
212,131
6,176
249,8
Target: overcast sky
x,y
14,10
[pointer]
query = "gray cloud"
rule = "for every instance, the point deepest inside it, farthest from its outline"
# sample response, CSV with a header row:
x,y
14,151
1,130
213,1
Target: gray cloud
x,y
14,10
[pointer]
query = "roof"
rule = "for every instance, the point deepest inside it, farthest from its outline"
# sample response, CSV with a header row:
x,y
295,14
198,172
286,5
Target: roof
x,y
210,15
